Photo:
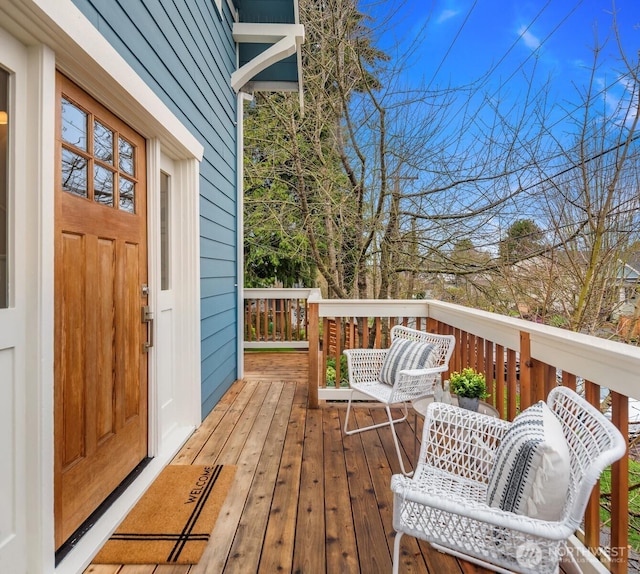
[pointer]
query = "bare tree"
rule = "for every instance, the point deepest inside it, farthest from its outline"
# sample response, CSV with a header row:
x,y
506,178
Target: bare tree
x,y
389,180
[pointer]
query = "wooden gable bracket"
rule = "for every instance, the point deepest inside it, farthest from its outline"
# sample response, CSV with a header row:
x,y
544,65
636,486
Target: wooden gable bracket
x,y
286,40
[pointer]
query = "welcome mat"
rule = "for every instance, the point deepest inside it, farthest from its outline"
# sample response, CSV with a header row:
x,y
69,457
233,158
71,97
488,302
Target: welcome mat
x,y
172,522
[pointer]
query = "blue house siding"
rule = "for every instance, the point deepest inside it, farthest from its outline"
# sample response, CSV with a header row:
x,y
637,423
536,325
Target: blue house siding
x,y
186,54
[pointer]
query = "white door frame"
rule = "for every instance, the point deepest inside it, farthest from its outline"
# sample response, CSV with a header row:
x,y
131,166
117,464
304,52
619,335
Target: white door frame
x,y
60,37
13,318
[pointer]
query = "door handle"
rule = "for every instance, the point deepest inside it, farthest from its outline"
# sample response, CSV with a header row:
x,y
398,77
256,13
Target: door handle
x,y
147,317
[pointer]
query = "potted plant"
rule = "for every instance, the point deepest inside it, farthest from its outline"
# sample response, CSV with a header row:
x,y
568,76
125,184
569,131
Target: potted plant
x,y
470,386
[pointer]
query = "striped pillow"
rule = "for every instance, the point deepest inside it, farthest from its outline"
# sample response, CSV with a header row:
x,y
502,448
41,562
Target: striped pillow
x,y
530,475
404,354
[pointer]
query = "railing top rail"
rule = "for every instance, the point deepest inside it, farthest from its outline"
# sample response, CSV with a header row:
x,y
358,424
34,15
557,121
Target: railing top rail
x,y
607,363
372,308
277,293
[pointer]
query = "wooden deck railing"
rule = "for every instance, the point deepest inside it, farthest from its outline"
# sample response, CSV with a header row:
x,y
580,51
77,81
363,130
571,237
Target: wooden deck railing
x,y
276,318
525,360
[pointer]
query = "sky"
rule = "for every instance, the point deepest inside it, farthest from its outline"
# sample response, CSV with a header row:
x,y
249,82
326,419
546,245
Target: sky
x,y
456,41
460,37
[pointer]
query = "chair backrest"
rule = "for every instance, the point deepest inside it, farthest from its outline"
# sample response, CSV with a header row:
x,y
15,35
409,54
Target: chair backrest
x,y
443,344
594,443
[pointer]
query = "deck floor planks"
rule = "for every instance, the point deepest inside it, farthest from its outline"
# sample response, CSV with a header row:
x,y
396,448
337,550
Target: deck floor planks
x,y
226,442
276,366
201,435
245,454
411,556
290,500
405,438
172,569
102,569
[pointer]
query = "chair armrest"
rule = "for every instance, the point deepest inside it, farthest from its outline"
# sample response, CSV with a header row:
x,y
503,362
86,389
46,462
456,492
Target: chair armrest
x,y
413,384
411,490
421,372
460,441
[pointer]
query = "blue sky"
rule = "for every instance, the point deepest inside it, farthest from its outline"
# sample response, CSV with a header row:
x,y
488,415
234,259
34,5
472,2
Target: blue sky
x,y
479,33
459,40
452,43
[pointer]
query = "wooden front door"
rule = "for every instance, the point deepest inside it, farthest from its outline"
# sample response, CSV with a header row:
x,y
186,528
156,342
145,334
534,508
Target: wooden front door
x,y
100,268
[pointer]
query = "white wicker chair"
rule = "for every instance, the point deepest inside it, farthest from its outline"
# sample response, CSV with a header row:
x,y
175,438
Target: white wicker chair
x,y
444,503
364,367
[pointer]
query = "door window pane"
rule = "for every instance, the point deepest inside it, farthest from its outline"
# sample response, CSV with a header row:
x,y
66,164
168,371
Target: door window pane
x,y
103,185
102,142
4,181
74,125
74,173
127,198
165,282
126,153
97,161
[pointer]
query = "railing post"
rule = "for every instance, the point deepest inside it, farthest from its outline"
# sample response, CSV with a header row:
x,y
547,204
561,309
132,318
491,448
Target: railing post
x,y
314,354
620,490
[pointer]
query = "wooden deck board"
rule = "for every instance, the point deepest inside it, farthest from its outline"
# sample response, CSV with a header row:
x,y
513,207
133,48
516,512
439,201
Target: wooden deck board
x,y
306,498
340,536
309,548
277,552
373,553
248,542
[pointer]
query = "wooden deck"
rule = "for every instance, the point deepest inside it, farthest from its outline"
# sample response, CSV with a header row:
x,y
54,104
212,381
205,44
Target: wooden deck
x,y
306,498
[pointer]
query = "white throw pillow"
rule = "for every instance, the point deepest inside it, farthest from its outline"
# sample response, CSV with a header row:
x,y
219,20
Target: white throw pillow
x,y
402,355
531,472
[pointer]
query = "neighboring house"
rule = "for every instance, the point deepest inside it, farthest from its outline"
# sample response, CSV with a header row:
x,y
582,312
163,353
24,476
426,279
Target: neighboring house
x,y
120,246
628,283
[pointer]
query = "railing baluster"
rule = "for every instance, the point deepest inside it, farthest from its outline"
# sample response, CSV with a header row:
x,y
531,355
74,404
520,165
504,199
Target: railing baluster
x,y
338,349
538,370
525,371
512,384
464,349
569,380
326,343
489,369
592,513
619,551
500,380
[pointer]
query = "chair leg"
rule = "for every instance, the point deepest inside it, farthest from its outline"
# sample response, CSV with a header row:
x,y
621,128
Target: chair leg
x,y
395,438
378,425
391,422
396,552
